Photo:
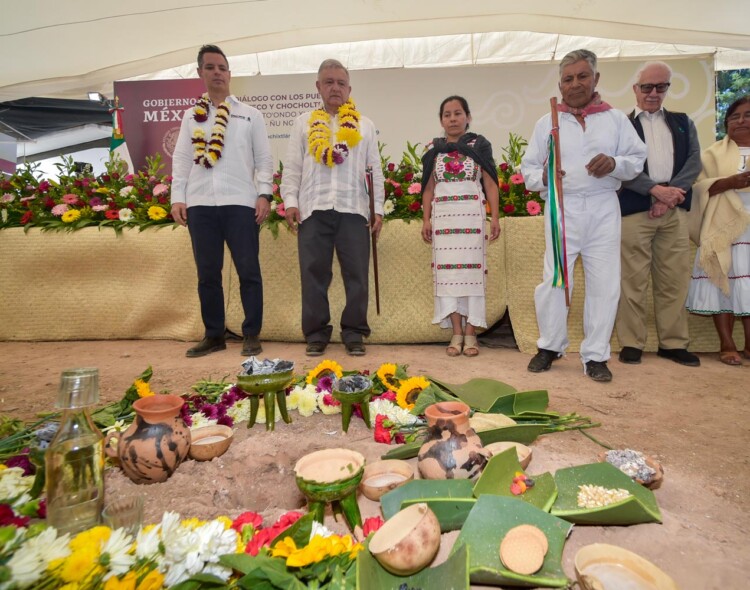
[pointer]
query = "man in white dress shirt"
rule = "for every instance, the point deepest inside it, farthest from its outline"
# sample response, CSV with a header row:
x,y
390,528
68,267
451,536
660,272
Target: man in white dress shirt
x,y
655,239
599,149
223,174
326,202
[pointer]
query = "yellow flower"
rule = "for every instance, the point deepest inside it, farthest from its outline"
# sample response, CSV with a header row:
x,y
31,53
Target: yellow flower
x,y
284,548
71,215
154,212
409,391
103,190
193,523
127,582
3,467
80,564
153,581
92,538
315,551
387,375
325,368
226,521
143,388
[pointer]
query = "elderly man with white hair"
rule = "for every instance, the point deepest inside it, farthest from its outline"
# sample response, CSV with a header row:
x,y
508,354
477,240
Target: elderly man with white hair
x,y
654,208
599,149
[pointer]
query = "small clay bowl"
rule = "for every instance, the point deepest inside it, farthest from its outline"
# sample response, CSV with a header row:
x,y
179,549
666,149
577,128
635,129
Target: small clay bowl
x,y
330,474
523,452
608,567
408,541
383,476
210,441
655,483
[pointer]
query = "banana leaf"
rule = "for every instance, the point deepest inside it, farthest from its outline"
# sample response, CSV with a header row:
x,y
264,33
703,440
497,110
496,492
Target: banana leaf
x,y
424,490
450,512
640,507
452,574
430,395
536,400
489,521
478,393
498,475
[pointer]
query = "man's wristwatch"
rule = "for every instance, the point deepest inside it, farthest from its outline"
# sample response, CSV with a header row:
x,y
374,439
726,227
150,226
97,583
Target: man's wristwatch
x,y
268,198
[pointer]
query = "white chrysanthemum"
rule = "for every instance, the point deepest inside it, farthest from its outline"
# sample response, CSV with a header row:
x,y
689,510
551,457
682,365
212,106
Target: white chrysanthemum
x,y
4,215
125,191
325,408
13,484
147,544
396,414
31,559
319,530
240,410
388,207
118,548
308,402
187,552
118,426
199,419
125,214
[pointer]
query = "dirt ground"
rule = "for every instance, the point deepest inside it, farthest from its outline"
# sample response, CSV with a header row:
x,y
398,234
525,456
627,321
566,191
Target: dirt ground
x,y
694,420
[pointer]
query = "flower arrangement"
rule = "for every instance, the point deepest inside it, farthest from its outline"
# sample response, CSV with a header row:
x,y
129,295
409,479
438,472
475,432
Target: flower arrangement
x,y
515,199
403,184
79,200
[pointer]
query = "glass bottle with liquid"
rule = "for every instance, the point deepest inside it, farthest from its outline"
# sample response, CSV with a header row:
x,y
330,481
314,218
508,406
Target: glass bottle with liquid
x,y
74,460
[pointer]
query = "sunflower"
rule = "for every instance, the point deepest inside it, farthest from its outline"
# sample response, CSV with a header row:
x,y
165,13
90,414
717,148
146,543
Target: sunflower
x,y
325,368
409,391
387,375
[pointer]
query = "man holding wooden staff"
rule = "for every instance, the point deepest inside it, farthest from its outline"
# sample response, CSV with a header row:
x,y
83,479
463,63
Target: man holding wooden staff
x,y
599,149
327,205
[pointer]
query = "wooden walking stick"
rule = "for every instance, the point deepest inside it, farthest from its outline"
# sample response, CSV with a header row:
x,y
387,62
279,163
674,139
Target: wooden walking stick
x,y
555,205
371,194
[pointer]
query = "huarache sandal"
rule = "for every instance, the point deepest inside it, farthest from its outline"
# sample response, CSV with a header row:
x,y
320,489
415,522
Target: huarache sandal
x,y
730,357
456,345
471,346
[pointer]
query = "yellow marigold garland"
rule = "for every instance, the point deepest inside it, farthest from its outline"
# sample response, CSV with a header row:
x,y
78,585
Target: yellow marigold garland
x,y
319,134
208,153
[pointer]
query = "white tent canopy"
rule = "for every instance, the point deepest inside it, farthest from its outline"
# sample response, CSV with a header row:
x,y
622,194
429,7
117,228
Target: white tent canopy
x,y
64,49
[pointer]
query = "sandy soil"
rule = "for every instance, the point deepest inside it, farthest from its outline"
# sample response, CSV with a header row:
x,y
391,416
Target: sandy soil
x,y
692,419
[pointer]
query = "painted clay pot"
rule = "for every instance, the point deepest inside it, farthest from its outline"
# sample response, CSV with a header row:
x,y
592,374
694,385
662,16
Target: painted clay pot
x,y
155,444
453,449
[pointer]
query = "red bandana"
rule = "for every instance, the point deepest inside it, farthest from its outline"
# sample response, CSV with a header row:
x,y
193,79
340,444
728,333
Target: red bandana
x,y
595,105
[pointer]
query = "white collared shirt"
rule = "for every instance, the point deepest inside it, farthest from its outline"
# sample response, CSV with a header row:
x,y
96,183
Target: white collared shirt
x,y
312,186
658,138
244,170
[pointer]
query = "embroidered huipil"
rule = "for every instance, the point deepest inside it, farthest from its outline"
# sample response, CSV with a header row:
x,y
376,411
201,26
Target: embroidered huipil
x,y
317,187
244,170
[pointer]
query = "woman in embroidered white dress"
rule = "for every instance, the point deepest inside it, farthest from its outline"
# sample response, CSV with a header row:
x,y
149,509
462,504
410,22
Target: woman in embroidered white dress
x,y
720,284
459,179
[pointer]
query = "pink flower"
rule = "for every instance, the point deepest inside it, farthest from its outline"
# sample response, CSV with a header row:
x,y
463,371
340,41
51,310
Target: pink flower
x,y
128,178
281,210
394,183
99,207
414,188
275,187
70,199
160,189
7,198
58,210
516,179
533,208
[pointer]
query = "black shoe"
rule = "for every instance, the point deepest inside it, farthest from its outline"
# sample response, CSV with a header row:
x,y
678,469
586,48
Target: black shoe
x,y
679,355
251,346
598,371
355,348
543,360
630,355
206,346
315,348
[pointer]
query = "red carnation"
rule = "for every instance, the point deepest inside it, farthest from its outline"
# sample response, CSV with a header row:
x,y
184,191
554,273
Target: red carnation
x,y
382,434
509,208
408,176
247,518
391,166
28,216
505,187
398,192
415,206
371,525
111,214
504,166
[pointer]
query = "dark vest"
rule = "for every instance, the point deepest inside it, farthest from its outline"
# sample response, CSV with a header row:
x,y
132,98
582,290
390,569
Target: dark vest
x,y
633,202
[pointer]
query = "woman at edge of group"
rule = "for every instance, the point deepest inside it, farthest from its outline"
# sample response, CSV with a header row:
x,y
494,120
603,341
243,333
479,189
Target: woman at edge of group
x,y
459,178
720,224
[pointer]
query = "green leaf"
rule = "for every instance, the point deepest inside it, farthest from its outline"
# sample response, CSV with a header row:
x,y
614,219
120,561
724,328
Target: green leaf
x,y
489,521
452,573
498,475
430,395
531,401
423,490
202,581
478,393
405,451
299,532
640,507
450,512
523,433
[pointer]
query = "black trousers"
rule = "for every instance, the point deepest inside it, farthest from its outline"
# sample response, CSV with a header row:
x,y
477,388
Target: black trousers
x,y
319,235
209,228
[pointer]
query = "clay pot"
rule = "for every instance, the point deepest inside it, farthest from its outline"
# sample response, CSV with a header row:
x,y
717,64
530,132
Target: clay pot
x,y
209,442
408,541
155,444
453,450
383,476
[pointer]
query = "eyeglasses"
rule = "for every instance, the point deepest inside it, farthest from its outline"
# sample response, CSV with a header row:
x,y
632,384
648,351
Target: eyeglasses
x,y
660,88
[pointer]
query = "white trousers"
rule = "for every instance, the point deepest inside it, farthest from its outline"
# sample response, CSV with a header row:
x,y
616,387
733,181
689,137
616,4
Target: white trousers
x,y
593,229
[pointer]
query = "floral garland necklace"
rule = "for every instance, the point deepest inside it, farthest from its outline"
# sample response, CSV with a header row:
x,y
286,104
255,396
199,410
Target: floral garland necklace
x,y
347,136
208,153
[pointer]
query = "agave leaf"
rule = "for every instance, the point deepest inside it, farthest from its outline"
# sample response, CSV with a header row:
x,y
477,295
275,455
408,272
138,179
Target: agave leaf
x,y
498,475
489,521
452,573
423,490
640,507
